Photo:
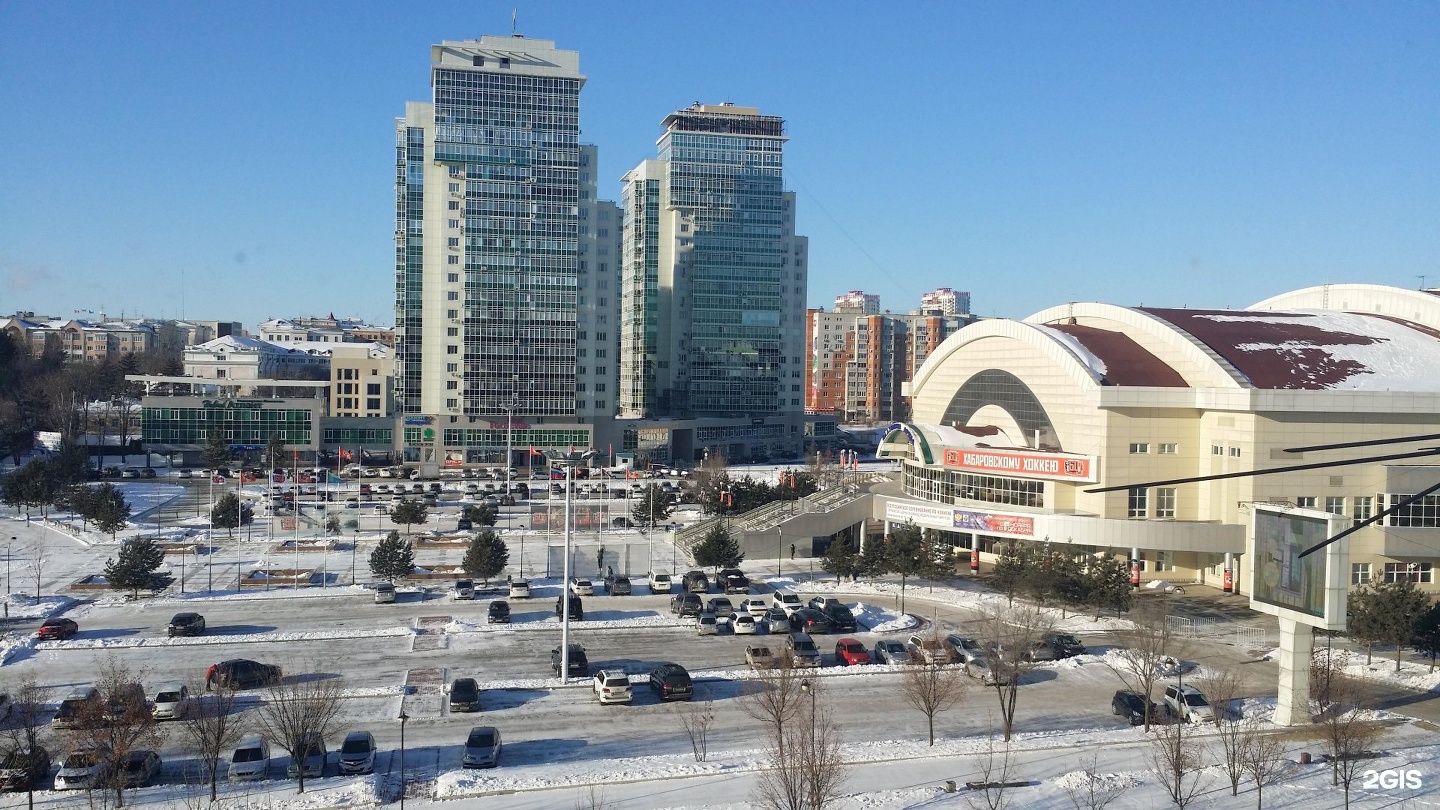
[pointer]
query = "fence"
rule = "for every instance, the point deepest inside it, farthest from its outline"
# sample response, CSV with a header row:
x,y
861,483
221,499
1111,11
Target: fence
x,y
1241,635
597,559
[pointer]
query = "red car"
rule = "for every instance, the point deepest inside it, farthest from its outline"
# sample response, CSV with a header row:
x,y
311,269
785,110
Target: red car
x,y
849,651
57,629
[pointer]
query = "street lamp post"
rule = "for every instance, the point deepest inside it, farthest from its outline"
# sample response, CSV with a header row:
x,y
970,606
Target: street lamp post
x,y
809,689
565,584
354,545
403,718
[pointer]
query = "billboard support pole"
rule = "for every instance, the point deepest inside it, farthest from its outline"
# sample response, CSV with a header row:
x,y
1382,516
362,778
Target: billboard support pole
x,y
1297,645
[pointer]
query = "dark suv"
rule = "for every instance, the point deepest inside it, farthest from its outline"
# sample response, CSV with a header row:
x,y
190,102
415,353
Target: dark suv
x,y
239,673
686,604
24,768
577,609
841,619
186,624
616,585
579,664
733,580
1065,645
697,582
671,682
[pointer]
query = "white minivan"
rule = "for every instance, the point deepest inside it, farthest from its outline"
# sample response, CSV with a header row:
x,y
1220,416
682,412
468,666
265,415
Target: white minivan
x,y
251,759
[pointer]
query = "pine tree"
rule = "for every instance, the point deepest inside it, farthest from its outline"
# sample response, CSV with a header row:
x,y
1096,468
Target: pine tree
x,y
718,549
485,514
1011,570
873,560
134,568
274,453
655,506
1108,584
1427,633
109,509
486,557
393,558
1396,607
840,560
226,514
217,451
409,512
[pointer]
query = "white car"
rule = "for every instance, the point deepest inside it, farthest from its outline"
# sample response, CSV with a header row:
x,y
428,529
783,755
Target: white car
x,y
82,769
660,582
1188,704
171,700
612,686
706,625
582,587
788,602
755,606
742,624
519,589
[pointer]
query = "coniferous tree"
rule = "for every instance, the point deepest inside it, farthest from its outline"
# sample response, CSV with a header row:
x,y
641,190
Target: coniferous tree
x,y
393,558
718,549
1427,633
841,560
1396,607
1108,584
873,560
409,512
228,514
486,557
109,509
217,451
1011,570
135,566
655,506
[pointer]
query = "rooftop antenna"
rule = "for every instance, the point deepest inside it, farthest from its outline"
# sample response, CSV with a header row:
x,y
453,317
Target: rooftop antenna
x,y
512,22
1422,281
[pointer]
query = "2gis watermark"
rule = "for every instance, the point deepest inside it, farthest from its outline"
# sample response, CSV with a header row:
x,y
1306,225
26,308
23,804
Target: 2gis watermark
x,y
1392,779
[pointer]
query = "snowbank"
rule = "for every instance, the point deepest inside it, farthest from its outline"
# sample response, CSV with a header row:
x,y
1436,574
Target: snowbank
x,y
247,638
882,620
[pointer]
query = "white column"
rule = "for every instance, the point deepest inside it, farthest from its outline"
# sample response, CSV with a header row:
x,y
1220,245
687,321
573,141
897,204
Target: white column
x,y
1297,643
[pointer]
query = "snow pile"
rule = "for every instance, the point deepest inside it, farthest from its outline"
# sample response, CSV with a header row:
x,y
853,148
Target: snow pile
x,y
1382,668
454,784
12,643
881,620
247,638
1101,784
24,607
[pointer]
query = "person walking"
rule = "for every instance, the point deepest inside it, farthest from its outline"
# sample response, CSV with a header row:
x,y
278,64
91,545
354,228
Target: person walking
x,y
792,551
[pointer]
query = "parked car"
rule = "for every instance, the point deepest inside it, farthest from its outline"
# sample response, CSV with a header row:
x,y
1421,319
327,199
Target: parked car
x,y
310,754
464,525
82,769
24,768
519,589
251,758
928,649
357,753
498,613
1189,704
577,608
686,604
57,629
616,585
482,748
612,686
979,667
1133,706
1065,645
127,700
171,701
660,582
777,621
239,673
822,602
79,706
841,619
582,587
706,624
733,580
464,589
464,695
789,602
140,768
720,606
671,682
185,624
891,651
849,651
758,657
743,624
802,650
809,620
579,665
696,582
961,647
755,606
384,593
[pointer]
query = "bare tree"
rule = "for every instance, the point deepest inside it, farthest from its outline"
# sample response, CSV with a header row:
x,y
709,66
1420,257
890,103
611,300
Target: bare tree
x,y
1347,728
696,719
1177,760
1142,647
117,724
212,726
27,724
593,798
296,711
1264,758
1094,791
775,699
1008,636
36,556
1222,687
931,689
808,775
996,770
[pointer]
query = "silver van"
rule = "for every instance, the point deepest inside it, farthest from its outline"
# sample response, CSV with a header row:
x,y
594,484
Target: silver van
x,y
802,650
251,759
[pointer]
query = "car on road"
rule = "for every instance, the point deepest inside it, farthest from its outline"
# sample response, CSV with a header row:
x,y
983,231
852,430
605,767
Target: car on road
x,y
519,589
706,624
582,587
697,582
809,620
822,602
743,624
141,768
482,748
251,758
617,585
57,629
789,602
24,768
850,651
577,608
1065,645
755,606
185,624
777,621
841,619
579,665
357,753
498,612
660,582
464,589
82,769
612,686
241,673
759,657
733,580
891,651
1133,706
671,682
802,650
980,668
186,472
310,754
1188,703
464,695
384,593
171,701
927,649
720,606
686,604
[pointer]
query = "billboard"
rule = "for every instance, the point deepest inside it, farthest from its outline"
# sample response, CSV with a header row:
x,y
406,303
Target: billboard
x,y
1310,589
1031,464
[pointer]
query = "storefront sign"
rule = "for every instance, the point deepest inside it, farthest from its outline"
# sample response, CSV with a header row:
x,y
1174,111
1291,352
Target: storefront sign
x,y
1027,465
919,514
993,523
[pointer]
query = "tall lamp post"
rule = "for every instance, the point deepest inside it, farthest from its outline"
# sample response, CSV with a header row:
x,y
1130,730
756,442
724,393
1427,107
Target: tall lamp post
x,y
809,689
403,718
565,583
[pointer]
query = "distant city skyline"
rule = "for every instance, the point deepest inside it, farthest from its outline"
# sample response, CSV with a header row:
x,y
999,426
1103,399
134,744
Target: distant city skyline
x,y
238,162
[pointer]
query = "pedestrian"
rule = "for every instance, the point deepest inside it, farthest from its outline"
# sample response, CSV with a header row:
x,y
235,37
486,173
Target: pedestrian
x,y
210,676
792,551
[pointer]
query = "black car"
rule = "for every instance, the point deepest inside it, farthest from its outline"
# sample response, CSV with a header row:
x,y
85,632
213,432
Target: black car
x,y
579,664
696,582
186,624
577,609
810,620
464,525
464,695
671,682
23,768
239,673
686,604
1133,706
734,580
499,612
617,585
1065,645
841,619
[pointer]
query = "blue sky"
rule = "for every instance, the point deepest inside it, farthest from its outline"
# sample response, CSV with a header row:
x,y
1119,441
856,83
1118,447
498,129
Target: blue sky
x,y
1174,154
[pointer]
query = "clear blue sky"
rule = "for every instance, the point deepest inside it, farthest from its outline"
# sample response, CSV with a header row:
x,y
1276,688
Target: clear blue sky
x,y
1179,154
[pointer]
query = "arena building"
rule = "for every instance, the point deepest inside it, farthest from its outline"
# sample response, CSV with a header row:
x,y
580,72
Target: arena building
x,y
1014,422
